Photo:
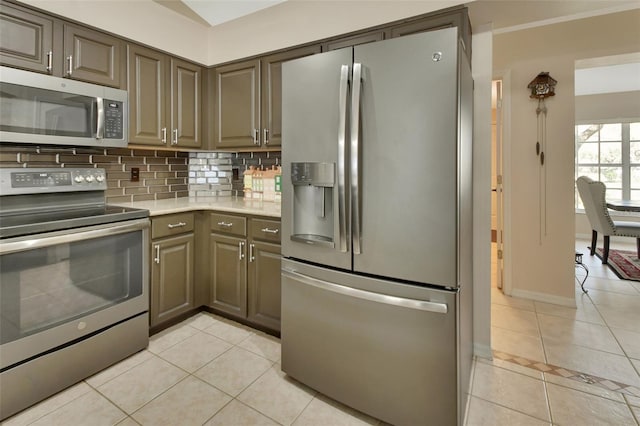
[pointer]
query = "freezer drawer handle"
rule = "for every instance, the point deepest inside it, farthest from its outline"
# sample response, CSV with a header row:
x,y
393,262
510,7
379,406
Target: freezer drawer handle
x,y
421,305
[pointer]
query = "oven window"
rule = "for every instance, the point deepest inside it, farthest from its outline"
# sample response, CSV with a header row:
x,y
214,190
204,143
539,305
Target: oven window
x,y
46,112
46,287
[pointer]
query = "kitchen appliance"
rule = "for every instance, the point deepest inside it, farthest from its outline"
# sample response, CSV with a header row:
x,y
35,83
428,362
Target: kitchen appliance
x,y
42,109
74,282
377,226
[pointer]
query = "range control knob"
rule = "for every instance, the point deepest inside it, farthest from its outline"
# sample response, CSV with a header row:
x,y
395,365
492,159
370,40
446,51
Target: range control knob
x,y
90,178
79,179
100,178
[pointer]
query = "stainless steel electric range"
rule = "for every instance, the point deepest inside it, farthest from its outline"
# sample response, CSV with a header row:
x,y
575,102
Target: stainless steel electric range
x,y
74,281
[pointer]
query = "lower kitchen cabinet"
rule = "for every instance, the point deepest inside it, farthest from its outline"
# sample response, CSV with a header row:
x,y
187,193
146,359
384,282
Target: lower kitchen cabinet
x,y
244,269
172,267
264,284
228,274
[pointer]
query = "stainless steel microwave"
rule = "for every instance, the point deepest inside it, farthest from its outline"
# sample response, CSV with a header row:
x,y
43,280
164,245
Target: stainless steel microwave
x,y
42,109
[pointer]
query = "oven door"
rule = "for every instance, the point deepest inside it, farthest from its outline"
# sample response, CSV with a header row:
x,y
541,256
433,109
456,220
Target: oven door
x,y
59,287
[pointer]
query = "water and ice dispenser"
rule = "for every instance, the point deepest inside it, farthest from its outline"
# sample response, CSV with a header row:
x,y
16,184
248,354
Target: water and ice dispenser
x,y
313,213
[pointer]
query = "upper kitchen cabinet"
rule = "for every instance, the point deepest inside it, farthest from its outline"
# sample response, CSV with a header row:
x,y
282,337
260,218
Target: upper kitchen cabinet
x,y
92,56
237,110
26,39
248,101
43,44
354,40
454,18
271,79
164,99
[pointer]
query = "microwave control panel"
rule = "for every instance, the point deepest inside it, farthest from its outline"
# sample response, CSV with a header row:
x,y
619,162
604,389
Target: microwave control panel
x,y
113,119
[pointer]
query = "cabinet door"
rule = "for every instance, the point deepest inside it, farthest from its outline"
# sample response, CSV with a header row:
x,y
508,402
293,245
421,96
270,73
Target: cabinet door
x,y
264,284
228,274
186,86
237,115
271,76
172,278
354,40
92,56
147,86
26,40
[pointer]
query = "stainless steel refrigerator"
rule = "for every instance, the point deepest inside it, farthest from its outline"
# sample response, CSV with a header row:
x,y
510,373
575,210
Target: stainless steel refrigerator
x,y
377,226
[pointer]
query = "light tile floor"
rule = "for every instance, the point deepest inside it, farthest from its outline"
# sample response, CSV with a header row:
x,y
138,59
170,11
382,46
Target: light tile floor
x,y
552,365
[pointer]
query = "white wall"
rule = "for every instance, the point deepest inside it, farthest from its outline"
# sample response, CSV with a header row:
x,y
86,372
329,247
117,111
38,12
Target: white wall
x,y
141,20
542,263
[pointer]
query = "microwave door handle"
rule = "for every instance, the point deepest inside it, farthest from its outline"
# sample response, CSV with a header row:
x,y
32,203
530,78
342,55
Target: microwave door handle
x,y
100,121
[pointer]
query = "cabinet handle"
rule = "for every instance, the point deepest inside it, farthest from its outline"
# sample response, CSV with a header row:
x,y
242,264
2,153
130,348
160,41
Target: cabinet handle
x,y
164,135
225,224
176,225
251,256
265,136
157,258
256,137
174,139
70,65
241,250
49,62
270,231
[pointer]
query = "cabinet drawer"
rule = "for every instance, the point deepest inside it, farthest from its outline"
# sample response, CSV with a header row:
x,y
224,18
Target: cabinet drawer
x,y
172,224
265,230
229,224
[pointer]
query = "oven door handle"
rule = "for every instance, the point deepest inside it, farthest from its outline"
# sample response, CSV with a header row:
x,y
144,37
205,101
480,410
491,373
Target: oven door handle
x,y
64,237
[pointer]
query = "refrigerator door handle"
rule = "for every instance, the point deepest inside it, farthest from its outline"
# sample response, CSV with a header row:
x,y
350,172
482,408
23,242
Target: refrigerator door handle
x,y
342,146
355,170
420,305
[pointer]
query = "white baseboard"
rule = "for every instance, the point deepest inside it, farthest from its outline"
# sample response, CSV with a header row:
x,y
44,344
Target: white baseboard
x,y
483,351
544,297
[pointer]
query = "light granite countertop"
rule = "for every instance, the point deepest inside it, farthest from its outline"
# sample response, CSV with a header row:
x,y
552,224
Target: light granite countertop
x,y
226,204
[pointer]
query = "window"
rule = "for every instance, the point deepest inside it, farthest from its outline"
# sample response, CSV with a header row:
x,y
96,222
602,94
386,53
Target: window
x,y
610,152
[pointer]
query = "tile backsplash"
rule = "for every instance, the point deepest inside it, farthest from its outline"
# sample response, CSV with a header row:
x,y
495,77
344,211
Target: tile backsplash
x,y
163,174
220,174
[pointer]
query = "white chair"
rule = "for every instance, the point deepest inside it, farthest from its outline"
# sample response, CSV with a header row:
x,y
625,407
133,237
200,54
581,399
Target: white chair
x,y
593,197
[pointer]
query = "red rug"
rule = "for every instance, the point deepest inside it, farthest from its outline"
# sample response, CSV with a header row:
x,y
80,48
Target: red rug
x,y
624,263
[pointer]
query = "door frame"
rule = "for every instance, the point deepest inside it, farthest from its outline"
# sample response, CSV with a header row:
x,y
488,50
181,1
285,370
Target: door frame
x,y
505,77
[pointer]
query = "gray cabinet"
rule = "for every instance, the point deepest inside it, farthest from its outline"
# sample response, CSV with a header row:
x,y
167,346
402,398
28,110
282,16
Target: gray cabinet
x,y
354,40
37,42
264,273
26,39
244,268
172,267
248,101
164,99
92,56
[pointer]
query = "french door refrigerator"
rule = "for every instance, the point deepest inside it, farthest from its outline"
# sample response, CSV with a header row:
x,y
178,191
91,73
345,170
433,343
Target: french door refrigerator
x,y
376,223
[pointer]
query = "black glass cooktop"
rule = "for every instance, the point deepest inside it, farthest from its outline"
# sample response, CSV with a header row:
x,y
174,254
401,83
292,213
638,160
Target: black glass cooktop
x,y
35,222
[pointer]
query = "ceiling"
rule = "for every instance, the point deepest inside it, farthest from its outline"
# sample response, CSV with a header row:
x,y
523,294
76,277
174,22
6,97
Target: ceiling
x,y
502,15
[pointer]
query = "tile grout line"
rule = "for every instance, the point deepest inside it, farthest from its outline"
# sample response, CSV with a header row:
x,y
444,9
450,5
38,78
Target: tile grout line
x,y
584,378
